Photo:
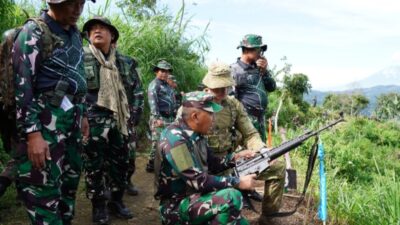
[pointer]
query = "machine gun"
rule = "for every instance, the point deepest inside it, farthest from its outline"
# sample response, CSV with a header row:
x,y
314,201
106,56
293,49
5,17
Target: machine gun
x,y
261,162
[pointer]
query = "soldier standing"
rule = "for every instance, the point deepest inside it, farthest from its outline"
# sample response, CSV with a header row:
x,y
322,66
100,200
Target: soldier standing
x,y
188,193
233,127
161,97
114,103
253,80
50,112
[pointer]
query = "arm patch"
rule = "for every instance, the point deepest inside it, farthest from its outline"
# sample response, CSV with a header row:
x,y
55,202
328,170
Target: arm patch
x,y
182,157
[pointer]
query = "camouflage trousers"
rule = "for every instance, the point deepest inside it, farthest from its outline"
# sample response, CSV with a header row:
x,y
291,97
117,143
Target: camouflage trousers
x,y
218,207
259,123
132,145
105,157
49,194
156,132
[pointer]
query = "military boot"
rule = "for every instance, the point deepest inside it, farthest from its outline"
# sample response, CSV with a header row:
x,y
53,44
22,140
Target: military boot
x,y
131,189
4,184
100,212
150,166
117,206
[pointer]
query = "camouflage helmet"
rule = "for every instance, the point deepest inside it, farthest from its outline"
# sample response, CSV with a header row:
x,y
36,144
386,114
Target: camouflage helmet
x,y
218,76
252,41
104,21
162,64
201,100
60,1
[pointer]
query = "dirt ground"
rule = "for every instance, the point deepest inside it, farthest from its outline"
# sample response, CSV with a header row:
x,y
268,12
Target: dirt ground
x,y
145,207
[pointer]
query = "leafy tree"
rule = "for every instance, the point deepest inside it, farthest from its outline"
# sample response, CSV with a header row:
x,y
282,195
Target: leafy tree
x,y
351,104
138,8
388,106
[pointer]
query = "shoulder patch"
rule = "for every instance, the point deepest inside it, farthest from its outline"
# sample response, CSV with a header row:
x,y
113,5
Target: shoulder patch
x,y
182,157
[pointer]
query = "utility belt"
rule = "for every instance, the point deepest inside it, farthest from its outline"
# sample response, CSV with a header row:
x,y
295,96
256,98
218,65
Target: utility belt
x,y
56,99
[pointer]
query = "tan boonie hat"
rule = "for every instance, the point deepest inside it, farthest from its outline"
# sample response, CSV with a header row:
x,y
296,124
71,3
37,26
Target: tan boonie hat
x,y
218,76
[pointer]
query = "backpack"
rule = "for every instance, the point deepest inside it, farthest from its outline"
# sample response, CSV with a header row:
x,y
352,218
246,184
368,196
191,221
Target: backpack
x,y
7,89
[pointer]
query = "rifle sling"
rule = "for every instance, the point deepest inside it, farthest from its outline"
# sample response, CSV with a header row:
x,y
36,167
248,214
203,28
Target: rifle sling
x,y
311,162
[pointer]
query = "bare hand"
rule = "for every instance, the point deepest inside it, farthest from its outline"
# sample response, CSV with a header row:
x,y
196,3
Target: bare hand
x,y
247,182
262,63
247,154
158,123
38,150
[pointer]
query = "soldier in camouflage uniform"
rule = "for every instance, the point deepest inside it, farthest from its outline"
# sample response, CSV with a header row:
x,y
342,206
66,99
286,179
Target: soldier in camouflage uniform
x,y
50,114
232,128
161,97
178,95
253,80
188,193
115,102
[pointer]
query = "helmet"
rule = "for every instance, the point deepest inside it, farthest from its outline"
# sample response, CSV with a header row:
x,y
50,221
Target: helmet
x,y
252,41
102,20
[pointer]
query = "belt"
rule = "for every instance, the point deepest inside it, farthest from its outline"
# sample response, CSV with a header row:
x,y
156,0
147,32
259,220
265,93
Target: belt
x,y
74,99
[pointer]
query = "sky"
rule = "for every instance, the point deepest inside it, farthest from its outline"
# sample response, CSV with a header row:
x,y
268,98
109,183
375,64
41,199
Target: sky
x,y
333,42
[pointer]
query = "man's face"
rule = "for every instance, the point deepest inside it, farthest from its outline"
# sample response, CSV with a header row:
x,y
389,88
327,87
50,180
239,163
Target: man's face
x,y
205,121
219,93
162,74
253,53
68,12
172,83
100,36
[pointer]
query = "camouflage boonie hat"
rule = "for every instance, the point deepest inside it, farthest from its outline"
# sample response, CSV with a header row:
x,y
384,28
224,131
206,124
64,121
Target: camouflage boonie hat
x,y
252,41
172,77
162,64
218,76
201,100
60,1
104,21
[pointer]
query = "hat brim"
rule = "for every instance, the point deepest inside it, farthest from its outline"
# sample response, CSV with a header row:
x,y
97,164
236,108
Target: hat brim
x,y
88,25
212,107
263,47
218,82
161,68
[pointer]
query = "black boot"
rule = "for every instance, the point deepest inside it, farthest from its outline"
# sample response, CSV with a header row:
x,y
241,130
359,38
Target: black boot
x,y
117,207
66,222
253,195
150,166
131,189
4,184
100,212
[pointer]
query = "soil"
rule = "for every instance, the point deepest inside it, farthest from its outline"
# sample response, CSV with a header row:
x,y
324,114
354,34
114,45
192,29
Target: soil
x,y
145,207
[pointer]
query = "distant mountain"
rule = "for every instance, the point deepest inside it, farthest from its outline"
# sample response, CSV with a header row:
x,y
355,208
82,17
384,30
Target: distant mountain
x,y
388,76
371,93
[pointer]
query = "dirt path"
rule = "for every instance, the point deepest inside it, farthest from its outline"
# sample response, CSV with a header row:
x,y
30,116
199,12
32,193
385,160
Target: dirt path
x,y
145,208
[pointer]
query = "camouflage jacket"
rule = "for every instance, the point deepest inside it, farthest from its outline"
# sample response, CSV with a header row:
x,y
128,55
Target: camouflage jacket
x,y
161,99
34,75
251,88
231,127
185,164
130,78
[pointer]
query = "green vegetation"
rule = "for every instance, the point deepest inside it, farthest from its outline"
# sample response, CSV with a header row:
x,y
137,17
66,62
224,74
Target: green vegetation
x,y
362,155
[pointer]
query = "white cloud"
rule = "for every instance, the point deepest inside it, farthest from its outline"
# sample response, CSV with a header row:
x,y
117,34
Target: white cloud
x,y
396,57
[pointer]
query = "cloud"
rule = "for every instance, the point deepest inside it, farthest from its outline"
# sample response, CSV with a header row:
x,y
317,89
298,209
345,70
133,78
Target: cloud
x,y
396,57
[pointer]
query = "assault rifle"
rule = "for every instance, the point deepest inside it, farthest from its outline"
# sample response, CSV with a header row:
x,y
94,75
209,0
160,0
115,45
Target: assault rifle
x,y
261,162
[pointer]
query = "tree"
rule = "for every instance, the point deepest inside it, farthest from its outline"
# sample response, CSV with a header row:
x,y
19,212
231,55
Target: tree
x,y
138,8
388,106
351,104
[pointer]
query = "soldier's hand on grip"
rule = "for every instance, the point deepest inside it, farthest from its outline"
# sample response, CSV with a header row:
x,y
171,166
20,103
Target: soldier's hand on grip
x,y
247,182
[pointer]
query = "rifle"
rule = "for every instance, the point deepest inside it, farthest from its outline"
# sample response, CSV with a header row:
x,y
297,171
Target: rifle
x,y
261,162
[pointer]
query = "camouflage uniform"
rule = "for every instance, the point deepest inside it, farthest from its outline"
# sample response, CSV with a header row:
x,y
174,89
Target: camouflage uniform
x,y
108,150
233,127
161,97
49,194
188,193
252,87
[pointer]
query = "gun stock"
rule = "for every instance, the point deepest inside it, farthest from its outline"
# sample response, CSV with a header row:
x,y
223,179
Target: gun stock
x,y
261,161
